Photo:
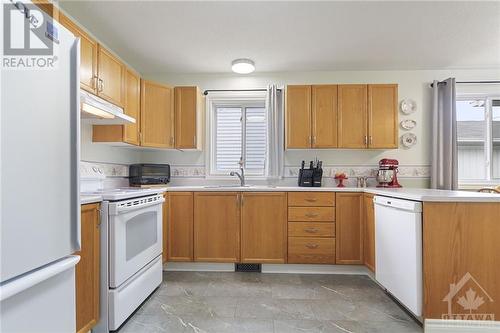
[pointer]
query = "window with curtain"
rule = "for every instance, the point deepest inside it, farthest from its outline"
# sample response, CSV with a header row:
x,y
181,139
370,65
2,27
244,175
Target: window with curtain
x,y
237,130
478,139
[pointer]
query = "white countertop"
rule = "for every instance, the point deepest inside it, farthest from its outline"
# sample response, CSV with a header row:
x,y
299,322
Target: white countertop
x,y
416,194
87,199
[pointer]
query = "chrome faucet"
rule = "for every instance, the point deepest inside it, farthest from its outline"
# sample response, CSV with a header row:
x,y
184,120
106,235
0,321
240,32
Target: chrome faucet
x,y
241,174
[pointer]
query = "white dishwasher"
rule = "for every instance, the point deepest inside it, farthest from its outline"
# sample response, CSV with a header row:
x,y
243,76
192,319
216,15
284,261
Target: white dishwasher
x,y
398,250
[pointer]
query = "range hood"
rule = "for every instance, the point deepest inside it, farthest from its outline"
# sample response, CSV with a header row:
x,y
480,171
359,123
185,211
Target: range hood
x,y
96,110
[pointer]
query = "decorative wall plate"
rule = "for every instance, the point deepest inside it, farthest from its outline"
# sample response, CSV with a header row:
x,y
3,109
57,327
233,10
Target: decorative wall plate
x,y
408,124
408,106
408,140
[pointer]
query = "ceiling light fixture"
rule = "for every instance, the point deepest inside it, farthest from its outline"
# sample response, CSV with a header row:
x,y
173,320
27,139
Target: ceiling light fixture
x,y
243,66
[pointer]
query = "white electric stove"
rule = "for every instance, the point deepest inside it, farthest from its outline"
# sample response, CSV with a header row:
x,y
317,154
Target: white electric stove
x,y
122,193
131,245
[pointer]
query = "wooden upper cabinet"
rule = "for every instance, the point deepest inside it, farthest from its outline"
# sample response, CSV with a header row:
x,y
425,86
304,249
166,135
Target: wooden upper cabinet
x,y
189,106
132,106
352,116
369,231
124,133
111,77
157,115
217,226
383,115
87,273
349,228
88,55
324,116
263,227
298,116
180,226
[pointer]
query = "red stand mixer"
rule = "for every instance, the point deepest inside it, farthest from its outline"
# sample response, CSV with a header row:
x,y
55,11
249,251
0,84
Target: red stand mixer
x,y
387,173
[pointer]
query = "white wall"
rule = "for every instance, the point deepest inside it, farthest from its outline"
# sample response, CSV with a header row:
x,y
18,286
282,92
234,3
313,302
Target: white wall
x,y
412,84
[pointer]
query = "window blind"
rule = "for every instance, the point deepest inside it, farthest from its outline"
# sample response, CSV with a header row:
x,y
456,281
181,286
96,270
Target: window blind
x,y
240,132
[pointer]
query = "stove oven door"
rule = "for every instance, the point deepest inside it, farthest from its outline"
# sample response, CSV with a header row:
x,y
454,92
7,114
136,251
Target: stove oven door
x,y
135,236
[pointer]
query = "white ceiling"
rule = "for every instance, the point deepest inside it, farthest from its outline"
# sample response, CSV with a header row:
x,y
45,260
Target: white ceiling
x,y
204,37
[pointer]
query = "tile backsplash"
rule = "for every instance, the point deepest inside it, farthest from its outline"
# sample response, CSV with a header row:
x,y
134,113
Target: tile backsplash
x,y
195,174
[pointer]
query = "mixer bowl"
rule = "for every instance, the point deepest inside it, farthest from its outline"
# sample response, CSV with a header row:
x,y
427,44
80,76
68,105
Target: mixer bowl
x,y
385,176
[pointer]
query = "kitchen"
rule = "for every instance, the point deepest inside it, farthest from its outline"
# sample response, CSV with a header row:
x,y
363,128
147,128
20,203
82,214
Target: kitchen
x,y
205,180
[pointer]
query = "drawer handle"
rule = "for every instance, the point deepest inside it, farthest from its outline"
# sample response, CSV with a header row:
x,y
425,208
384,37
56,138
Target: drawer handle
x,y
312,246
312,214
311,230
311,200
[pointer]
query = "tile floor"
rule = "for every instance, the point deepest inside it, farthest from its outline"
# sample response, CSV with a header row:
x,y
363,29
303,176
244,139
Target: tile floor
x,y
261,303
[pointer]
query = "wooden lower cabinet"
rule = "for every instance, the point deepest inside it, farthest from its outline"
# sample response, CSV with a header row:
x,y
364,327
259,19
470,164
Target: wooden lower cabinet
x,y
87,270
180,226
349,228
217,226
311,250
369,231
263,227
461,249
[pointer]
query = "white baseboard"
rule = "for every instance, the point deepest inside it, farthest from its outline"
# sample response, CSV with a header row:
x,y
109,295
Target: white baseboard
x,y
461,326
315,269
198,267
270,268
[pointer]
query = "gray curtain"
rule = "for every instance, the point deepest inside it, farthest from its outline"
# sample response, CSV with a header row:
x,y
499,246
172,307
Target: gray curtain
x,y
274,104
444,168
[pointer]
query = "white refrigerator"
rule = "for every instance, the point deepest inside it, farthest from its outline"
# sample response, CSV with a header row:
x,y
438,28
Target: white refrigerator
x,y
40,209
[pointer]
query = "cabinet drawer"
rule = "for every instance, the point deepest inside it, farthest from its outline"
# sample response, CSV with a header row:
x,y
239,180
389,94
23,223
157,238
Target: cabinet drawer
x,y
311,229
307,250
311,199
302,214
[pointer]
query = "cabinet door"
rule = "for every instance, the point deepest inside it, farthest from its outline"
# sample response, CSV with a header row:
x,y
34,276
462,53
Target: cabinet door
x,y
132,106
383,115
111,77
123,133
349,228
324,116
187,112
157,115
87,270
164,256
352,116
217,226
263,227
369,232
88,55
180,226
298,117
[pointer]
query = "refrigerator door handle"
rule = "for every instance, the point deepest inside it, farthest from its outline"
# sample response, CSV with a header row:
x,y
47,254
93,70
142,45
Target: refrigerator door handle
x,y
27,281
75,152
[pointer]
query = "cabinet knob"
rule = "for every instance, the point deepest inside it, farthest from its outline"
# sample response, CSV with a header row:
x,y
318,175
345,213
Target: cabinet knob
x,y
311,230
312,246
312,214
311,200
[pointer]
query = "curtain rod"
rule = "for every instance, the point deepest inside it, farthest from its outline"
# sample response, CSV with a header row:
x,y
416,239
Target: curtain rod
x,y
469,82
220,90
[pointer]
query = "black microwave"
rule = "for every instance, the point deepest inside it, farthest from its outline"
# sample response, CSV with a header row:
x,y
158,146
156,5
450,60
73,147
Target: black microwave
x,y
149,174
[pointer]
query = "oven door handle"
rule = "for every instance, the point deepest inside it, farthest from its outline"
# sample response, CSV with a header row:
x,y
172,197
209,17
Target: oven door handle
x,y
135,204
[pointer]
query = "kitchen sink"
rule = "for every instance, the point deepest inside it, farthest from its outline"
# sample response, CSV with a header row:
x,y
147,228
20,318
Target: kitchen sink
x,y
238,186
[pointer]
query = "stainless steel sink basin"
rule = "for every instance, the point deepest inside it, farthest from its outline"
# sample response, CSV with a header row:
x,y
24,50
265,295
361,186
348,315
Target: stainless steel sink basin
x,y
238,186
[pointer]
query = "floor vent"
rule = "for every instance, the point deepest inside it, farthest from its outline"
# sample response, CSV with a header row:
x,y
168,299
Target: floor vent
x,y
248,268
